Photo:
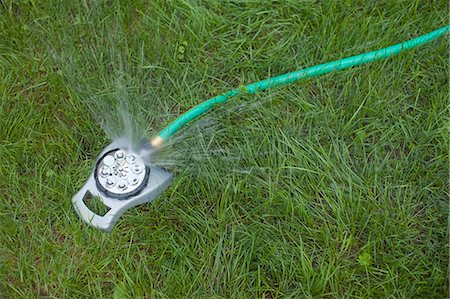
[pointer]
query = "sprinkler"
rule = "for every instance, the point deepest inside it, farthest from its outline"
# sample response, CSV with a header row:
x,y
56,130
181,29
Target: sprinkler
x,y
122,178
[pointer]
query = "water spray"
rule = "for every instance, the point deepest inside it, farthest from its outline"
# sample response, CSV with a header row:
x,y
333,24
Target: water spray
x,y
123,177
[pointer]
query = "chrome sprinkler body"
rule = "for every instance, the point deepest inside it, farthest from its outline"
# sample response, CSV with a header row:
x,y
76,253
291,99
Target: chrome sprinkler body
x,y
121,180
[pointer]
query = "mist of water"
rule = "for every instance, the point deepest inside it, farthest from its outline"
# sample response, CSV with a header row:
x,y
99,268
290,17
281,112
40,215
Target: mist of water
x,y
123,99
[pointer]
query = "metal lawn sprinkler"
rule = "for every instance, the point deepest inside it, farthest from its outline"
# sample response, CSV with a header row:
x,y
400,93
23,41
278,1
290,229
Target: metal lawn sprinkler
x,y
121,180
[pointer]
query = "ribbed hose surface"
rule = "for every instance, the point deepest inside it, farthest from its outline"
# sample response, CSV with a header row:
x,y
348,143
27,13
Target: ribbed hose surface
x,y
289,78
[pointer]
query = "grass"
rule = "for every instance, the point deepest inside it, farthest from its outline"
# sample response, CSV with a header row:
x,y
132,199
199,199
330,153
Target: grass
x,y
332,187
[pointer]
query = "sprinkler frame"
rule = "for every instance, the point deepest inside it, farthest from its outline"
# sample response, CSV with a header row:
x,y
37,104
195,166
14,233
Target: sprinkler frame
x,y
154,182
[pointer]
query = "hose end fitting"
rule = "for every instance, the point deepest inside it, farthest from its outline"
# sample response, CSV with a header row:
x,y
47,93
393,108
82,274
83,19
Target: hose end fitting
x,y
156,142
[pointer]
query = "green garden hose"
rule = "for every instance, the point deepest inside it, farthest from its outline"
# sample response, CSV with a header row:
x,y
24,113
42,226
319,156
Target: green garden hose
x,y
288,78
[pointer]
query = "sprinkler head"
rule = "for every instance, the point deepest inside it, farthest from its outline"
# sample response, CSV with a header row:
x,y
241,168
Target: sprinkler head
x,y
121,174
121,179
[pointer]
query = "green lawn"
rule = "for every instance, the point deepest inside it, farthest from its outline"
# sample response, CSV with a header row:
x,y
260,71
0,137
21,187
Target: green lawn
x,y
332,187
